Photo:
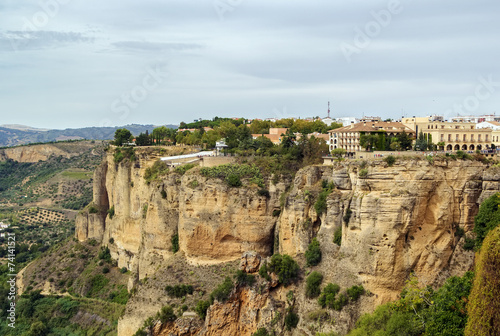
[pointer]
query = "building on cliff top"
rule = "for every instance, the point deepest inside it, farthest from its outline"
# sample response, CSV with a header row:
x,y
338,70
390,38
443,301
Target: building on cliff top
x,y
348,137
455,135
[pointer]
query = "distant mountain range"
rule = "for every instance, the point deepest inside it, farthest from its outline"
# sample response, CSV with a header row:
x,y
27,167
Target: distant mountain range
x,y
13,135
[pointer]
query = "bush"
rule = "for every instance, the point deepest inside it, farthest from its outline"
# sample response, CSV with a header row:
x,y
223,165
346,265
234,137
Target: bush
x,y
347,216
313,283
201,308
104,254
276,212
363,173
123,270
261,332
184,168
111,212
233,180
222,292
390,160
93,209
291,320
263,192
327,297
313,253
163,194
285,268
355,292
105,270
337,236
320,205
175,243
243,279
111,240
487,218
167,314
263,272
179,291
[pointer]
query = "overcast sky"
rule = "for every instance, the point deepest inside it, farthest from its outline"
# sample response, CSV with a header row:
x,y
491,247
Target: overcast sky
x,y
76,63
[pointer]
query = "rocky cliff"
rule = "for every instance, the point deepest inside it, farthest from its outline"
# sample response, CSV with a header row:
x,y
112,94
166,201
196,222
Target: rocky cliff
x,y
395,220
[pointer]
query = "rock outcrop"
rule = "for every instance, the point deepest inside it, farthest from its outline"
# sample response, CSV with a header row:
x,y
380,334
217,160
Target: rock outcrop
x,y
394,220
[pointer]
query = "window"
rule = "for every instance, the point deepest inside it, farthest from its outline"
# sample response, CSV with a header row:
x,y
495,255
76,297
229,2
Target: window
x,y
465,137
449,137
472,137
479,137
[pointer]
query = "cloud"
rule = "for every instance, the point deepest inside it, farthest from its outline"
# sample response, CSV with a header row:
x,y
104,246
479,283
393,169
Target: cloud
x,y
41,39
144,46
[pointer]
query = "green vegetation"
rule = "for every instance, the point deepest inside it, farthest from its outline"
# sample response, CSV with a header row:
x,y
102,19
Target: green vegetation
x,y
233,173
111,212
244,279
390,160
313,283
484,304
261,332
313,253
328,298
284,267
263,271
487,218
320,205
122,135
222,292
158,169
175,243
381,141
167,314
127,153
421,311
179,291
337,236
363,173
201,308
291,319
181,170
355,292
37,314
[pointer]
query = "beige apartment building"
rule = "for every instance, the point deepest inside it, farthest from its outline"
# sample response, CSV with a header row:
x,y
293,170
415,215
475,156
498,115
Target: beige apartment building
x,y
348,137
453,135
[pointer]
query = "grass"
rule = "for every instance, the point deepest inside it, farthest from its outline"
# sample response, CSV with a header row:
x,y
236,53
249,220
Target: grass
x,y
77,175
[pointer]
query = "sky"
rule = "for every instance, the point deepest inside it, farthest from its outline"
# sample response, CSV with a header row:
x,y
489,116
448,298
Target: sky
x,y
80,63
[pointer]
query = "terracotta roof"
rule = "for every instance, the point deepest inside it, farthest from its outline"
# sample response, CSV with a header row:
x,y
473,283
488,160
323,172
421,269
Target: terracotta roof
x,y
391,127
496,123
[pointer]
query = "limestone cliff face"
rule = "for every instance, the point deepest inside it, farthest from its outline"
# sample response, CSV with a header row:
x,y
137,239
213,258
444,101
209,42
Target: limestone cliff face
x,y
402,219
215,223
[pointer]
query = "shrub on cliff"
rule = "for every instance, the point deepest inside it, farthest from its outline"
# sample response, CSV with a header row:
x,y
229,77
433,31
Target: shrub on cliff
x,y
167,314
390,160
244,279
313,253
201,309
285,268
313,283
175,243
487,218
222,292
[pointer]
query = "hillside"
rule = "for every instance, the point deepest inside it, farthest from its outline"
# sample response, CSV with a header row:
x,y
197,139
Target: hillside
x,y
14,135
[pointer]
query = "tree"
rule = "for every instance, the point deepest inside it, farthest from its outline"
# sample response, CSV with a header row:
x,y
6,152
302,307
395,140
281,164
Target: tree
x,y
339,153
368,141
313,283
143,139
159,134
285,267
122,135
405,141
313,253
